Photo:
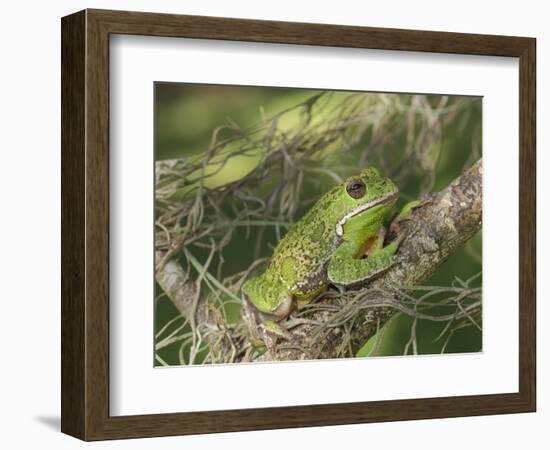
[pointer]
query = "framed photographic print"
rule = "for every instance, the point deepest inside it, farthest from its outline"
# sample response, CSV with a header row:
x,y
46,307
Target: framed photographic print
x,y
271,224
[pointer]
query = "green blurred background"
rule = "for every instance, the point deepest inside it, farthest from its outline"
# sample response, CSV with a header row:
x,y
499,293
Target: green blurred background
x,y
186,115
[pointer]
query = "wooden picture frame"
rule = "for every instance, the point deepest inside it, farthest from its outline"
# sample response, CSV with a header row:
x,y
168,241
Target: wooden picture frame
x,y
85,224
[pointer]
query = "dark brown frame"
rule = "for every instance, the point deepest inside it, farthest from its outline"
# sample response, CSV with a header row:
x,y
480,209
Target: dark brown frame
x,y
85,224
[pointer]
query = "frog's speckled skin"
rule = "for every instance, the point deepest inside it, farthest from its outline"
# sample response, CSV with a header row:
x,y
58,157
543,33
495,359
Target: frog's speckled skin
x,y
326,246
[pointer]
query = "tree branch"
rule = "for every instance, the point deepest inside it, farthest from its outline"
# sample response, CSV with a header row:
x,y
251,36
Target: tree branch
x,y
177,285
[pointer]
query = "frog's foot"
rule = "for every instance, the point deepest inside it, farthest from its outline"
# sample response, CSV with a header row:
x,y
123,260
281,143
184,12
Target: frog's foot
x,y
345,269
406,210
250,316
271,332
262,331
264,324
398,223
275,329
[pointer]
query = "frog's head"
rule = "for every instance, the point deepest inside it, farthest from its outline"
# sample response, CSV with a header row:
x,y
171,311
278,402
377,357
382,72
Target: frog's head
x,y
366,201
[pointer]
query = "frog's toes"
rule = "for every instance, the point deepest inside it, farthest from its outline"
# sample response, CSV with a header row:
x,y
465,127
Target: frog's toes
x,y
275,329
399,222
406,210
271,332
399,240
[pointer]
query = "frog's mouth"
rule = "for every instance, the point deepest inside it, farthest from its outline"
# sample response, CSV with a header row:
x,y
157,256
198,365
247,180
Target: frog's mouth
x,y
391,197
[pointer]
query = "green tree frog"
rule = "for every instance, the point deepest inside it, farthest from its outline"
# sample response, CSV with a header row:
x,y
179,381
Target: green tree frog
x,y
339,241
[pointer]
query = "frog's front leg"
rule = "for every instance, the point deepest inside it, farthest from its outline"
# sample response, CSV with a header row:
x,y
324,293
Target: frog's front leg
x,y
400,220
345,267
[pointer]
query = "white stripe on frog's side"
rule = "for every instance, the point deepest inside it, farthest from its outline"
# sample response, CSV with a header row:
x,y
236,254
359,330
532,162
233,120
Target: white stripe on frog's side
x,y
388,198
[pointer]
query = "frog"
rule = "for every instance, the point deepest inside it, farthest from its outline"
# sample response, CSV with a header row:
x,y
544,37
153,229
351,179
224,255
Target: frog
x,y
340,241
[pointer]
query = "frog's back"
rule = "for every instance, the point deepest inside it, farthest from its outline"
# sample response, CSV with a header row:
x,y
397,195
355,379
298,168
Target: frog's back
x,y
305,248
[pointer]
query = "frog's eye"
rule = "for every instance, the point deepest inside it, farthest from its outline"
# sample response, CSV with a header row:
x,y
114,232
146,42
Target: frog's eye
x,y
356,188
